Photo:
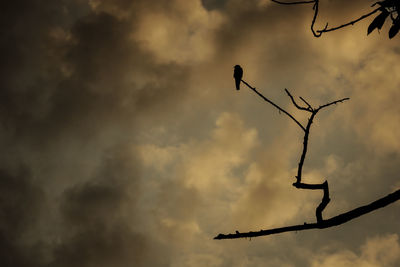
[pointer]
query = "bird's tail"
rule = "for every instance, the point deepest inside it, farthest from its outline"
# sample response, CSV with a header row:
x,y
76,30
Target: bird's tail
x,y
237,81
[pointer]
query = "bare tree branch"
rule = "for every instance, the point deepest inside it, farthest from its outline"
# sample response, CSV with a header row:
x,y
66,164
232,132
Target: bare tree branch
x,y
385,6
296,105
305,145
298,184
334,221
307,133
326,29
325,199
332,103
275,105
309,106
318,33
315,8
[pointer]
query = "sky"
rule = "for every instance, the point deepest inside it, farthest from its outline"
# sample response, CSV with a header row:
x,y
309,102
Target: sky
x,y
125,143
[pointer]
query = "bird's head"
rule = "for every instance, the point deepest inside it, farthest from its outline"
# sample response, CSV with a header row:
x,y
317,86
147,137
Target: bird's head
x,y
237,66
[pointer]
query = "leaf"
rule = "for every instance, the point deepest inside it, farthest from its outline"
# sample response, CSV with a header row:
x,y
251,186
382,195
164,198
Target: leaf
x,y
394,29
378,21
387,3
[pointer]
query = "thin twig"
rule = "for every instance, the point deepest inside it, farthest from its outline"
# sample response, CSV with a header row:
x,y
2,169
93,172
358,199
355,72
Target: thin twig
x,y
275,105
326,29
309,106
334,221
294,102
315,7
331,103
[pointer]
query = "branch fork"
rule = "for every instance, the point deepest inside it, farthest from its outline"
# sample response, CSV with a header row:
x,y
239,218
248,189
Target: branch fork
x,y
298,184
313,111
321,222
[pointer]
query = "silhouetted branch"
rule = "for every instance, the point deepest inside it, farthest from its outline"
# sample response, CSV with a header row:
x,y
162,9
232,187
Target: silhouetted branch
x,y
318,33
316,9
307,130
326,29
385,7
332,103
298,184
321,223
324,202
275,105
334,221
325,199
305,145
309,106
296,105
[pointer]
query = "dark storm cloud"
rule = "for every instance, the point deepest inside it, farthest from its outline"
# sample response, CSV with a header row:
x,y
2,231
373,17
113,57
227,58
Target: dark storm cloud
x,y
69,74
62,77
213,4
101,221
24,44
20,206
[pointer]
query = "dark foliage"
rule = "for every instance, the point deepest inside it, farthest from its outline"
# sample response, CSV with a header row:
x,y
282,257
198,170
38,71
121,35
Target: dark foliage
x,y
388,8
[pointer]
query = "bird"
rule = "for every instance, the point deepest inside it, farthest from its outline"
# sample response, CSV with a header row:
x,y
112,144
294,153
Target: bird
x,y
238,74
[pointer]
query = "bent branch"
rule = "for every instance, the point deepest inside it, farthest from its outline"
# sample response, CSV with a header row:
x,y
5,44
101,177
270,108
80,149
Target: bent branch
x,y
334,221
325,199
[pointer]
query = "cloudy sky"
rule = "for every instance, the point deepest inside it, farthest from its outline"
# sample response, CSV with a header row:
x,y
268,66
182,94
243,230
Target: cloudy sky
x,y
125,143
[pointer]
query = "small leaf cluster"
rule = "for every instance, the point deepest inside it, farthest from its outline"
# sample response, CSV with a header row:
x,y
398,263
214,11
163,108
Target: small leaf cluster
x,y
388,9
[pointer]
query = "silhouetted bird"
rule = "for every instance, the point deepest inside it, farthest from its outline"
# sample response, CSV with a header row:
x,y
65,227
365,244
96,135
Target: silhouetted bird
x,y
238,74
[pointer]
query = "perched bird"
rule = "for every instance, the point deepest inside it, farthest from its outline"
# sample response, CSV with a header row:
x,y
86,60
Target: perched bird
x,y
238,74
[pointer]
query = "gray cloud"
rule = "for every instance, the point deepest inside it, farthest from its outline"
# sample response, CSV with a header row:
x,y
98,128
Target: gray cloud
x,y
100,219
72,80
21,203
